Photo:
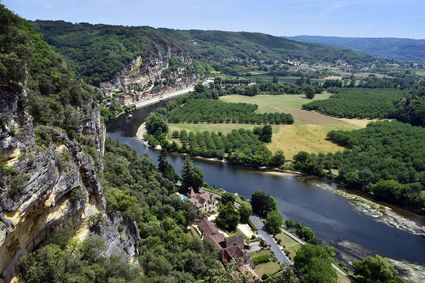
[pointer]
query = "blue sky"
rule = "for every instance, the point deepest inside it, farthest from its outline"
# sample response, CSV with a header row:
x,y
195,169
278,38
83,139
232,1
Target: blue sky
x,y
365,18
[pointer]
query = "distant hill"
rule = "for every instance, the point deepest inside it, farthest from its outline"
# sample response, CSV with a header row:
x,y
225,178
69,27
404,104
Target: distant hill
x,y
98,52
394,48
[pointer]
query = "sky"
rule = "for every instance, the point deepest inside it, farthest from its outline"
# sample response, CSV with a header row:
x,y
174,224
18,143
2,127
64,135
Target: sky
x,y
355,18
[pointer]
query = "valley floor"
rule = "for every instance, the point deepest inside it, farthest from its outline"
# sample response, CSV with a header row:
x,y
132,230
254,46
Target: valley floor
x,y
308,133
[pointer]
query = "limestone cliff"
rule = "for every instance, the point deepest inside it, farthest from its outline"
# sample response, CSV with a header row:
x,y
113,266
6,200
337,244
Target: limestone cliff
x,y
152,76
52,141
56,185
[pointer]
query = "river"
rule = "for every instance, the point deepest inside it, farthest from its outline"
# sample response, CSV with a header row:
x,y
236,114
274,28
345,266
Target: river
x,y
333,218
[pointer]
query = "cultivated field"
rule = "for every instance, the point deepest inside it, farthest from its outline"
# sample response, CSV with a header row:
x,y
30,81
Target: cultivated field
x,y
308,133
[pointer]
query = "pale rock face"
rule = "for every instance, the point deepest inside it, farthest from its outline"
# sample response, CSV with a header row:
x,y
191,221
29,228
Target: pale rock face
x,y
143,77
55,193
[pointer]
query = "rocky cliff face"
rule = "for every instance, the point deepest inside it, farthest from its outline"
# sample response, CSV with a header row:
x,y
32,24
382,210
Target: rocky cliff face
x,y
49,182
152,76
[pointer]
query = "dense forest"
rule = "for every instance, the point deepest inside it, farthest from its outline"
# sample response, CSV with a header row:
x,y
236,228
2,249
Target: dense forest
x,y
359,103
98,52
216,111
386,159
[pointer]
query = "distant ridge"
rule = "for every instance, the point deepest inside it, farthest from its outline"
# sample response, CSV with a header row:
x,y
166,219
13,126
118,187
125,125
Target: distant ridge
x,y
393,48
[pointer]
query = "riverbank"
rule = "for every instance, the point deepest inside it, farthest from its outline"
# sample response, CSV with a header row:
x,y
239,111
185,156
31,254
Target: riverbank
x,y
379,212
141,131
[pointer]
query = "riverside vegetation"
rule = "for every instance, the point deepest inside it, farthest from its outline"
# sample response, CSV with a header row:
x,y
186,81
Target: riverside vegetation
x,y
58,104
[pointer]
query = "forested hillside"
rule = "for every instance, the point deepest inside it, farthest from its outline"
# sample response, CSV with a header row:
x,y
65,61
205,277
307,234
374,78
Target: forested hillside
x,y
57,174
396,48
98,52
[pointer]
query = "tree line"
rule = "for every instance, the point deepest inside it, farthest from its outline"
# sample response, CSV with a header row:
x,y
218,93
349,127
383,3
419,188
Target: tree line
x,y
216,111
238,147
386,160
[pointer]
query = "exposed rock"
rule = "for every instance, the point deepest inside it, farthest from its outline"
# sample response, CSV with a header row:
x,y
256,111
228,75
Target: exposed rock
x,y
57,186
145,77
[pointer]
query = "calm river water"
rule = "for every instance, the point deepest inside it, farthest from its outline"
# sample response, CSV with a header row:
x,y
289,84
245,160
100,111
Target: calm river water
x,y
331,216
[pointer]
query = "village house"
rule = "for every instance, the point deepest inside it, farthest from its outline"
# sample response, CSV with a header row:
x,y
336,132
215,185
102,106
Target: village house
x,y
205,201
232,248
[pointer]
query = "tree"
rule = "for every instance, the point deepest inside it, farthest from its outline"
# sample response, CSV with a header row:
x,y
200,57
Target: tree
x,y
245,211
165,167
228,217
192,176
375,269
309,92
227,198
275,79
156,124
314,263
306,234
273,222
262,204
278,159
264,133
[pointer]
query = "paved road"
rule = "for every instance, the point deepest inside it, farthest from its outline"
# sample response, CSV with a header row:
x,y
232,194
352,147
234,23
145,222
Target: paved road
x,y
279,254
164,96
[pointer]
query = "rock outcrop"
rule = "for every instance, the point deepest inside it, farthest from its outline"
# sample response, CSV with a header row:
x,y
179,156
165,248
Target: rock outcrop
x,y
152,76
54,185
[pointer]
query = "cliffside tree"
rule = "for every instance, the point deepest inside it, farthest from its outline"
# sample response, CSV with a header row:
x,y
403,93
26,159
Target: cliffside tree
x,y
192,176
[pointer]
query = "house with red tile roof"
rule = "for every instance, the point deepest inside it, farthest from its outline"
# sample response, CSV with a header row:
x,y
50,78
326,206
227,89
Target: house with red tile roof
x,y
205,201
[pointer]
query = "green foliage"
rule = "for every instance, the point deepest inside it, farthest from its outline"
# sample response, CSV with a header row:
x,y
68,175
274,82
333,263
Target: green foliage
x,y
314,263
411,109
245,211
375,269
217,111
239,147
98,52
305,233
274,222
387,154
359,103
227,197
262,204
192,176
61,259
308,163
262,258
309,92
156,124
167,251
264,133
228,217
166,168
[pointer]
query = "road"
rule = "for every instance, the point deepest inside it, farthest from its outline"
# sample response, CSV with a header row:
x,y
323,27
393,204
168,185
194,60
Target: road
x,y
279,254
158,98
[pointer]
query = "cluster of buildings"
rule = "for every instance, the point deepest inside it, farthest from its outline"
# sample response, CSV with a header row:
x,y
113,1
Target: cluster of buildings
x,y
233,248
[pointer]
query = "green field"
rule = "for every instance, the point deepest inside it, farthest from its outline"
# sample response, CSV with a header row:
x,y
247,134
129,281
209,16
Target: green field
x,y
290,245
274,103
308,133
270,267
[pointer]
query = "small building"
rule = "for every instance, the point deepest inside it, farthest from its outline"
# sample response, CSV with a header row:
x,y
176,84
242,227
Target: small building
x,y
231,248
205,201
